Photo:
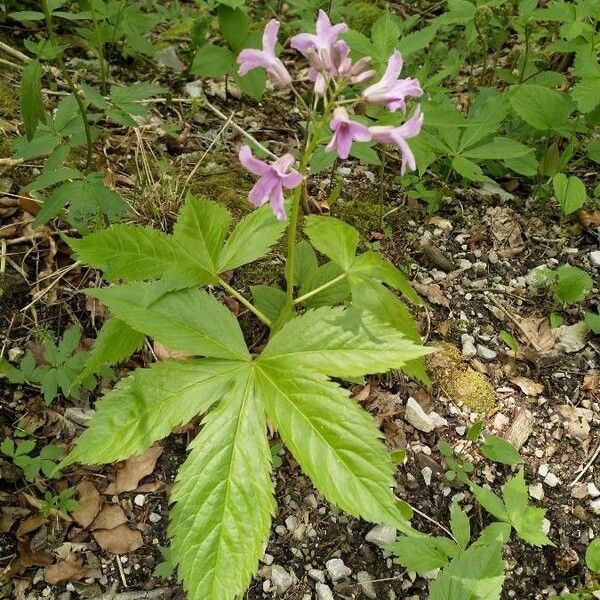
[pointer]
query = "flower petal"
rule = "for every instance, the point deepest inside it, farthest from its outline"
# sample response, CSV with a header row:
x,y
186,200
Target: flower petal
x,y
250,58
253,164
393,69
359,132
270,37
412,127
277,202
261,191
303,42
292,179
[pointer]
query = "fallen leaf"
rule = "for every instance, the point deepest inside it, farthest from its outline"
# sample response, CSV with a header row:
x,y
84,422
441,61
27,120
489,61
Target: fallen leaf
x,y
110,517
163,353
120,540
571,338
89,501
9,515
25,558
590,219
32,523
506,231
574,421
591,382
432,292
135,469
527,386
538,333
70,569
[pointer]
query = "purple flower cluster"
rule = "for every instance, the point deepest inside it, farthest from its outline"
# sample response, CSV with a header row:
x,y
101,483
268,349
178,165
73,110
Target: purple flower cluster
x,y
330,69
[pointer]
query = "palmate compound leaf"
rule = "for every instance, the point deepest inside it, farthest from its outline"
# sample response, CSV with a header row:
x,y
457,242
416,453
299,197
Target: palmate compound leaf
x,y
224,498
333,439
190,320
341,342
149,404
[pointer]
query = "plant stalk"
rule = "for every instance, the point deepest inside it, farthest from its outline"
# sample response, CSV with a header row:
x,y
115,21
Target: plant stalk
x,y
100,45
243,300
320,289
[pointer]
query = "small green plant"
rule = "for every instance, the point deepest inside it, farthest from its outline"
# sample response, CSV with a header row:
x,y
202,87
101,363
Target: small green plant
x,y
568,284
64,369
61,502
44,462
570,193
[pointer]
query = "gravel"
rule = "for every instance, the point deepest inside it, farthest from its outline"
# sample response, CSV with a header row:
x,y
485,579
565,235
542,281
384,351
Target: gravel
x,y
381,535
337,569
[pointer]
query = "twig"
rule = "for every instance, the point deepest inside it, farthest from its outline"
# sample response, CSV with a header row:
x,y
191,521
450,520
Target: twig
x,y
14,52
42,293
121,572
111,594
587,466
12,65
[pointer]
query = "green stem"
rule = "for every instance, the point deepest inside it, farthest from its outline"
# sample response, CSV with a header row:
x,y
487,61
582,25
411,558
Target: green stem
x,y
100,45
291,251
320,289
526,56
71,86
245,302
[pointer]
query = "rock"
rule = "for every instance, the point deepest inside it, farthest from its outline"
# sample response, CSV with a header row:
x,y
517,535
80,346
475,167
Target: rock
x,y
154,517
592,490
15,354
468,345
595,258
427,473
268,559
486,353
324,592
366,584
317,575
551,480
381,535
536,491
543,470
291,523
595,506
337,569
139,500
193,89
574,422
168,58
493,257
464,264
580,491
521,428
417,417
571,338
281,579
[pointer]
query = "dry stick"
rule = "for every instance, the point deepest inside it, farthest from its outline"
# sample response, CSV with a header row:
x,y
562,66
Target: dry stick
x,y
587,466
121,572
14,52
134,595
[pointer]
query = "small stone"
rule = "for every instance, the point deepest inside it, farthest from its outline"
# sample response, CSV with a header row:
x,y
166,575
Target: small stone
x,y
311,501
267,559
493,257
281,530
595,506
281,579
14,354
536,491
417,417
381,535
154,517
543,470
337,569
139,500
551,480
427,473
317,575
486,353
468,345
592,490
324,592
580,491
595,258
366,584
464,264
291,523
546,526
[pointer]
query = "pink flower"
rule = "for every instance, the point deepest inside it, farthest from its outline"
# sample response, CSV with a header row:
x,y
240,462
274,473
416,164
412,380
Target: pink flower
x,y
345,132
389,134
389,90
272,179
353,73
251,58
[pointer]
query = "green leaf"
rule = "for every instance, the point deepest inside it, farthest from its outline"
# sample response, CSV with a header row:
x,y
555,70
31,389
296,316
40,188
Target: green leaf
x,y
592,320
269,300
334,238
372,265
570,192
134,93
191,320
572,284
417,40
335,294
138,253
526,520
541,107
213,61
32,106
490,501
509,340
27,15
149,404
460,525
253,83
223,497
421,554
340,342
201,228
364,152
499,148
359,43
500,450
592,556
52,177
385,34
468,169
476,574
305,263
116,342
585,94
233,25
335,442
252,238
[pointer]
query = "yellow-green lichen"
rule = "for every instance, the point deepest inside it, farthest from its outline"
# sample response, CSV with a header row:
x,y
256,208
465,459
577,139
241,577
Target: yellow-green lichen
x,y
8,101
361,15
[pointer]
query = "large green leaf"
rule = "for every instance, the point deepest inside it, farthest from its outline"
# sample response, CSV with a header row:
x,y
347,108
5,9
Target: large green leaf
x,y
333,439
201,227
224,499
138,254
333,238
476,574
499,148
541,107
251,239
190,320
149,404
340,342
116,341
32,106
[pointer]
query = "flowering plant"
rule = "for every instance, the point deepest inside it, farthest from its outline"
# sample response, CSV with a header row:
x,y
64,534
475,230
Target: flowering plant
x,y
352,324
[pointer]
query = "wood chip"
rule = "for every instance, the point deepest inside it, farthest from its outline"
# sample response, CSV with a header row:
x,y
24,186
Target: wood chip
x,y
433,293
521,428
527,386
120,540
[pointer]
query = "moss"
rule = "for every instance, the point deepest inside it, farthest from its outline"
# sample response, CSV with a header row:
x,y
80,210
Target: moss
x,y
460,383
363,214
8,101
5,149
361,15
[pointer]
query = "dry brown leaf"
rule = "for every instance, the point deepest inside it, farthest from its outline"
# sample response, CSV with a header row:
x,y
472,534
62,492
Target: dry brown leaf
x,y
591,382
70,569
135,469
25,558
89,501
433,293
32,523
9,515
590,219
538,333
574,421
110,517
527,386
506,231
163,353
120,540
